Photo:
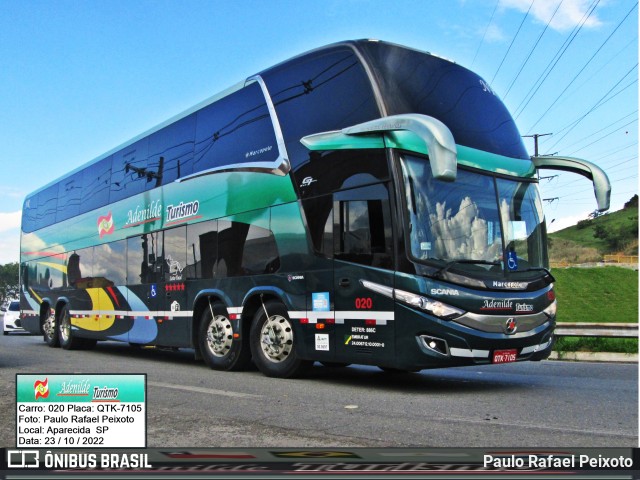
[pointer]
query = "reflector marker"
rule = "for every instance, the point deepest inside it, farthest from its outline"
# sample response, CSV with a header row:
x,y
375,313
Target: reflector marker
x,y
535,348
130,314
466,353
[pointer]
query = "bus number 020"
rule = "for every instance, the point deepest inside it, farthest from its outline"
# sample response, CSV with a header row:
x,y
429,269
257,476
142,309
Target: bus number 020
x,y
364,303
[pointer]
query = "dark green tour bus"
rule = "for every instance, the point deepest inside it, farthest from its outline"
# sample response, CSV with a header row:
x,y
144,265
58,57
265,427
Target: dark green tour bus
x,y
362,203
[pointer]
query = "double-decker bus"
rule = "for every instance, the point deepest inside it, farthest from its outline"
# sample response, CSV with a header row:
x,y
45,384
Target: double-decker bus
x,y
362,203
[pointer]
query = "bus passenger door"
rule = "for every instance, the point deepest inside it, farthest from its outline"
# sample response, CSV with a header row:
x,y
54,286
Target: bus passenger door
x,y
363,276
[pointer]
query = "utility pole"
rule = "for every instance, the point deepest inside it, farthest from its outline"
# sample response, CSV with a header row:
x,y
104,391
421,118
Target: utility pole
x,y
535,137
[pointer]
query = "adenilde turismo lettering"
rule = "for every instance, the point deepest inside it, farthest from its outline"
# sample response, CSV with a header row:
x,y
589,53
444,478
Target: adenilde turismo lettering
x,y
552,461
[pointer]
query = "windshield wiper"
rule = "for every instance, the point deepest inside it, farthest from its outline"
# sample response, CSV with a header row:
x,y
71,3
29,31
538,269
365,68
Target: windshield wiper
x,y
445,268
537,269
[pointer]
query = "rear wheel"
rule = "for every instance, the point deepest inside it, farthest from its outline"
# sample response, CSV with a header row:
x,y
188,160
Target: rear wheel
x,y
65,334
50,330
273,344
219,349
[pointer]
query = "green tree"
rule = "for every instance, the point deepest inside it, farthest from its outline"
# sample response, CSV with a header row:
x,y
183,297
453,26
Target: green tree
x,y
633,202
9,281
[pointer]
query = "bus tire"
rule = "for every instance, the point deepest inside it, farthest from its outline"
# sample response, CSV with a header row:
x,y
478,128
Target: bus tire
x,y
273,345
220,351
65,334
50,330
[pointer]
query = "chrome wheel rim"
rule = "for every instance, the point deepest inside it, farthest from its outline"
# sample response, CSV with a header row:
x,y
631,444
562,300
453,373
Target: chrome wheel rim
x,y
65,328
276,338
49,326
219,336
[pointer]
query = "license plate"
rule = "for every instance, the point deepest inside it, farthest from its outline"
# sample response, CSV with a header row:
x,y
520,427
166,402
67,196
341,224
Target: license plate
x,y
505,356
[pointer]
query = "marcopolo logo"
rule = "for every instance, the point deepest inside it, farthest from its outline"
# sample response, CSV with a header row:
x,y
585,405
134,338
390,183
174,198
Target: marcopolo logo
x,y
182,211
510,285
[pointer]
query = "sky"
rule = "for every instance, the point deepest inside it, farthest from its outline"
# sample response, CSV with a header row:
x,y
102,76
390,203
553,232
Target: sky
x,y
78,78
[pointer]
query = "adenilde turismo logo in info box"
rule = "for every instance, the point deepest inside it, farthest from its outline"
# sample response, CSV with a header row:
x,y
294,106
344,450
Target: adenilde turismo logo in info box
x,y
81,411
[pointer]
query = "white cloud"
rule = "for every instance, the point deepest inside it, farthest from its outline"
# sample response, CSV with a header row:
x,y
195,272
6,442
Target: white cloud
x,y
569,15
10,220
494,34
10,246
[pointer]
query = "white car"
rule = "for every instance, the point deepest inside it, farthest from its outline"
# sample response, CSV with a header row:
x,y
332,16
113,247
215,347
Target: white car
x,y
11,319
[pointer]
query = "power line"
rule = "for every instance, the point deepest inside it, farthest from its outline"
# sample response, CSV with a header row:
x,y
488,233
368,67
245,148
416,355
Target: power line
x,y
583,68
554,61
602,129
485,32
533,49
603,137
599,103
512,41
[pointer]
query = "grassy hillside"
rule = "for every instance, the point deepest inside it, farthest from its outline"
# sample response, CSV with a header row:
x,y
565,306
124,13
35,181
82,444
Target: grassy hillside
x,y
605,294
589,240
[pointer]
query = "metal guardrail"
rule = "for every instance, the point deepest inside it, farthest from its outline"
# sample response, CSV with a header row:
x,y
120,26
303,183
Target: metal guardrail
x,y
611,330
621,259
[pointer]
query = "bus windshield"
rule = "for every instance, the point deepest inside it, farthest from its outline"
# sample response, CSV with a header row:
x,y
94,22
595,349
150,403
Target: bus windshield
x,y
481,223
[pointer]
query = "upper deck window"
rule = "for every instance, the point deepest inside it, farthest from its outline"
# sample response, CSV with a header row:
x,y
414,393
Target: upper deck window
x,y
235,130
415,82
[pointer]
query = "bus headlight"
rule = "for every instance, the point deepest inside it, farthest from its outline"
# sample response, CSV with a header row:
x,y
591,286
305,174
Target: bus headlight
x,y
434,307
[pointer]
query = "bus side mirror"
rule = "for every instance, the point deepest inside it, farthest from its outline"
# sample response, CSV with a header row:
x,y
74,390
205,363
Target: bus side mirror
x,y
435,135
601,184
415,132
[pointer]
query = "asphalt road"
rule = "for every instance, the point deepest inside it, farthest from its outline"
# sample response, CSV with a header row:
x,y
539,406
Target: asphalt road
x,y
547,404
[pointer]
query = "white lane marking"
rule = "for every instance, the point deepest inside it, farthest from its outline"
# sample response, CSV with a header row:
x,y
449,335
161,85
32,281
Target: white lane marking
x,y
209,391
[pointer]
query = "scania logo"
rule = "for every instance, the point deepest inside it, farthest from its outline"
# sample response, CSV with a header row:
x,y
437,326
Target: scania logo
x,y
510,325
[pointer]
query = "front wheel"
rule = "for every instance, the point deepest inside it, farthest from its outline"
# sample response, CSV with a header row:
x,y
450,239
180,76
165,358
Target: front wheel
x,y
273,343
219,349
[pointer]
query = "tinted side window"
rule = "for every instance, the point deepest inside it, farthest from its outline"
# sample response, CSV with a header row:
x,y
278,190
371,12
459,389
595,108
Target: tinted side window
x,y
29,210
327,172
53,277
234,130
110,262
144,258
260,253
69,197
323,92
363,225
202,249
245,249
171,150
80,268
319,215
129,172
95,185
47,207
